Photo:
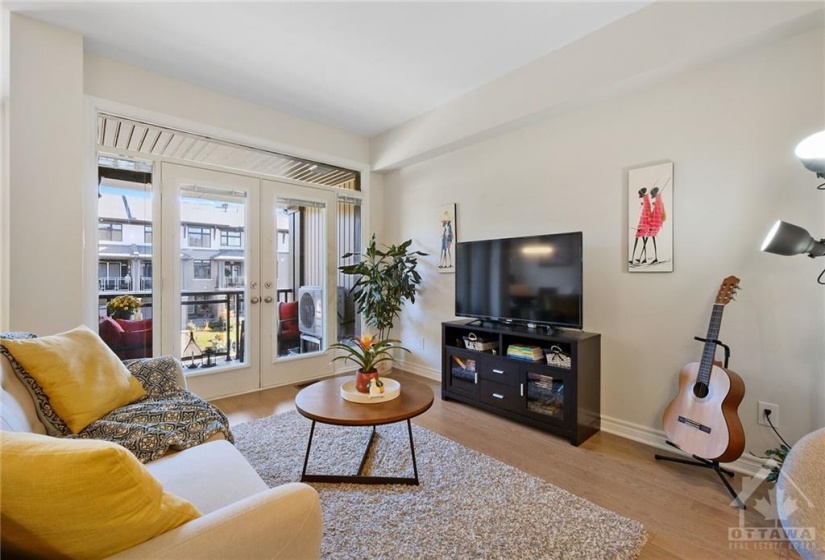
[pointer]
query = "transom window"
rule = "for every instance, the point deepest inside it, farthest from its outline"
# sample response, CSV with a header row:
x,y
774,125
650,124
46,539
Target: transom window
x,y
200,236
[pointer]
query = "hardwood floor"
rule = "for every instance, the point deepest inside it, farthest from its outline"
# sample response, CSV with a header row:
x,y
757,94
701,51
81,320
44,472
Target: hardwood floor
x,y
685,510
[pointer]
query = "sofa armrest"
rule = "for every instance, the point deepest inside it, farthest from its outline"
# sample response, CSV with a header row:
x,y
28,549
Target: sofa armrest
x,y
281,523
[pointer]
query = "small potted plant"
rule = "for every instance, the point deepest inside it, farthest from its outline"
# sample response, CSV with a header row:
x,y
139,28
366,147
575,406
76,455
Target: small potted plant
x,y
122,307
366,352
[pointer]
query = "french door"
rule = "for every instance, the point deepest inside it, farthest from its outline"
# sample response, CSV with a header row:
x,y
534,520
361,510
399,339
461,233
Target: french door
x,y
248,266
298,272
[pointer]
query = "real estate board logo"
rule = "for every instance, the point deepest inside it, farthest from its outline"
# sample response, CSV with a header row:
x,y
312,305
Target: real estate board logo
x,y
772,535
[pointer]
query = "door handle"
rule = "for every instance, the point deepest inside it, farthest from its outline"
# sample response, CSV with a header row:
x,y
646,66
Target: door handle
x,y
268,299
499,371
498,395
254,299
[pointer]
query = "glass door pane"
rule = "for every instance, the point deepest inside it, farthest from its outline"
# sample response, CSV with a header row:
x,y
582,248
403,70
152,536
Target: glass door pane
x,y
300,276
212,229
125,254
545,395
348,225
462,372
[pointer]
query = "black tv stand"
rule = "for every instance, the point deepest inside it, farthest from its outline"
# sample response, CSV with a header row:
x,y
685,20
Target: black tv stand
x,y
558,399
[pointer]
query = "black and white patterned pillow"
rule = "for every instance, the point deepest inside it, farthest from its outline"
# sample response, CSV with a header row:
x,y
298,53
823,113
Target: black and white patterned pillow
x,y
159,376
55,426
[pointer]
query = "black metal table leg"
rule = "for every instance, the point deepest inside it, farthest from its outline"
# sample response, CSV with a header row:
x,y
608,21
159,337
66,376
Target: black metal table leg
x,y
360,478
412,451
309,446
366,453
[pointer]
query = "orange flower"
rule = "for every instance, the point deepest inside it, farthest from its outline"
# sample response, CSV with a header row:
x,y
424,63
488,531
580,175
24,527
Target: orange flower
x,y
366,341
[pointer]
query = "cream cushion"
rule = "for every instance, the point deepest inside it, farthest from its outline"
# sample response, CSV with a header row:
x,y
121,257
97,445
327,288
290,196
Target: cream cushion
x,y
801,495
193,475
82,377
92,499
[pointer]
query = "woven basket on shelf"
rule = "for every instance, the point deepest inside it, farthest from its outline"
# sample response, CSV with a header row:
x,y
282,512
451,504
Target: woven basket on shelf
x,y
472,342
555,357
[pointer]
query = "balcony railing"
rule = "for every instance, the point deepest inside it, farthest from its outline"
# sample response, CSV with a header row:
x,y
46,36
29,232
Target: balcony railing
x,y
206,315
199,316
123,285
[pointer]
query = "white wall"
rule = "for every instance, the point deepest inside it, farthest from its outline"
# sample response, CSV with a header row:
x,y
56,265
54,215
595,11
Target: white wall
x,y
730,127
376,211
45,166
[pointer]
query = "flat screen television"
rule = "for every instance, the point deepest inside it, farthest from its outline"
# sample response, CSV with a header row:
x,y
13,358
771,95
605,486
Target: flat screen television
x,y
531,280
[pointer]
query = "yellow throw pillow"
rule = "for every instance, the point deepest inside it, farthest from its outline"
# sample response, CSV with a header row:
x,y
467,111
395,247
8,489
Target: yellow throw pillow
x,y
82,377
72,498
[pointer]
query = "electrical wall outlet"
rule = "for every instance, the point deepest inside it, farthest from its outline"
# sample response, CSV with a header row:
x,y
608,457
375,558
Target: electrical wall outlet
x,y
762,418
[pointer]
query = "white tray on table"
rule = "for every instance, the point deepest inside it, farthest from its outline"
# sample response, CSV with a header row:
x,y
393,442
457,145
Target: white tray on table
x,y
392,389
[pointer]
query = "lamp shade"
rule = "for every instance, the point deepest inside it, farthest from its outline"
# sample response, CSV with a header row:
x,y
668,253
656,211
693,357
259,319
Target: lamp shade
x,y
788,239
811,152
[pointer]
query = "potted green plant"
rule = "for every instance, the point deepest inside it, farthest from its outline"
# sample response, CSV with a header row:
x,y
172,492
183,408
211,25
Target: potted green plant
x,y
367,352
386,279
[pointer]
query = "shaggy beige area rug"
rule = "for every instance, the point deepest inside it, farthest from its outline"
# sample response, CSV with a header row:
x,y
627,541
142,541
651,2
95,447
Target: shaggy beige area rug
x,y
468,505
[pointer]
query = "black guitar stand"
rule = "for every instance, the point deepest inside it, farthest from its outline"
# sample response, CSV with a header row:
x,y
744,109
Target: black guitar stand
x,y
699,461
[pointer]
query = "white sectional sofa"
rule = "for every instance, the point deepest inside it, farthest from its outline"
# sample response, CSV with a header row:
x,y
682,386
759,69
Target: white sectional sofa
x,y
242,517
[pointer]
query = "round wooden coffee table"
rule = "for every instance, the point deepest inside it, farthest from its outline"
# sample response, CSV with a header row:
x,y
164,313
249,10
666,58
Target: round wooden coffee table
x,y
322,402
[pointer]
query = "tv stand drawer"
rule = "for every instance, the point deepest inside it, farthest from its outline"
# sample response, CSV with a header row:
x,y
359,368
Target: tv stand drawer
x,y
502,396
499,370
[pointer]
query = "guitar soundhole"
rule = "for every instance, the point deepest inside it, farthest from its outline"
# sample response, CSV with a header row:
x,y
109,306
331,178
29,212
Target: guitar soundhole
x,y
700,390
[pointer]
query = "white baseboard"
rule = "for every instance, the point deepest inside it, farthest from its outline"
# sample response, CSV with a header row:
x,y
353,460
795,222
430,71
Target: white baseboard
x,y
418,369
746,464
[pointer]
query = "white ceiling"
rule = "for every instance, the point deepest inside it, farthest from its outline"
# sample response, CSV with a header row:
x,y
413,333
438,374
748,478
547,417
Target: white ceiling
x,y
361,67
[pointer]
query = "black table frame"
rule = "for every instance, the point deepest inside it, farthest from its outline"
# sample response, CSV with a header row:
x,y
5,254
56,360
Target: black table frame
x,y
361,478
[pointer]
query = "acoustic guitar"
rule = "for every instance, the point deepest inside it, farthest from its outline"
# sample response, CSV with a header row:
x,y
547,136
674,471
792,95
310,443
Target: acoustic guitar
x,y
702,419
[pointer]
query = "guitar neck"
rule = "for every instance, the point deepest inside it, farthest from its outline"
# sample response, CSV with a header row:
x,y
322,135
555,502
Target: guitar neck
x,y
710,344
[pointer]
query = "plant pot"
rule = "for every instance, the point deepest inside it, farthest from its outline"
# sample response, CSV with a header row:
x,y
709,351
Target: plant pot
x,y
363,379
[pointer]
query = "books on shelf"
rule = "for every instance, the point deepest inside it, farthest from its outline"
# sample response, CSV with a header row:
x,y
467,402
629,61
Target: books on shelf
x,y
525,352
